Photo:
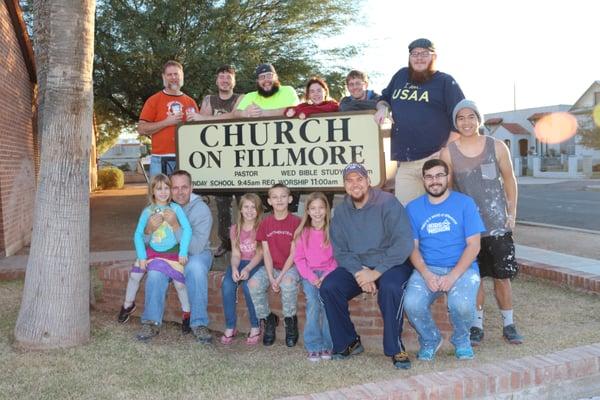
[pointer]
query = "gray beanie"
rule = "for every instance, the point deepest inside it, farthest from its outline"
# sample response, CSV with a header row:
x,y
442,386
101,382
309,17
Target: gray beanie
x,y
423,43
464,103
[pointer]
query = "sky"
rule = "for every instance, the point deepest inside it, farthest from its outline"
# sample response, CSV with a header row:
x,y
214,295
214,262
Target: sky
x,y
549,51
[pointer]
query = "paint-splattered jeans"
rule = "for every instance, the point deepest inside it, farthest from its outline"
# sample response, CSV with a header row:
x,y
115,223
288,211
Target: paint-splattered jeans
x,y
259,285
461,306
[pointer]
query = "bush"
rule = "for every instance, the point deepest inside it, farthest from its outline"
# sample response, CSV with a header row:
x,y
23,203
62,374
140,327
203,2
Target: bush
x,y
111,178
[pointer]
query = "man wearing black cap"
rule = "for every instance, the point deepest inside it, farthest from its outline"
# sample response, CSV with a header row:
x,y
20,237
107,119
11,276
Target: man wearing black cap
x,y
371,238
270,98
421,100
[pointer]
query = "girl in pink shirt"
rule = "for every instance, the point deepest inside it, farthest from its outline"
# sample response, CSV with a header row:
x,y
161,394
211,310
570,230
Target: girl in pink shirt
x,y
314,260
246,258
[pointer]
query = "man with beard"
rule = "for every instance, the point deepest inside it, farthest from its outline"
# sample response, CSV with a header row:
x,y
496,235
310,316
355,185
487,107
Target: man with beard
x,y
360,97
161,113
446,229
221,106
371,239
270,98
421,100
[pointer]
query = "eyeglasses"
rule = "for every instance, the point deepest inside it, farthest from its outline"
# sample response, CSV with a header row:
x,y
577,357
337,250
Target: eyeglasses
x,y
267,75
430,178
420,54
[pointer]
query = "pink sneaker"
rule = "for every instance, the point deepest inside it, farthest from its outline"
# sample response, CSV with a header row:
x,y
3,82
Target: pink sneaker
x,y
326,355
313,356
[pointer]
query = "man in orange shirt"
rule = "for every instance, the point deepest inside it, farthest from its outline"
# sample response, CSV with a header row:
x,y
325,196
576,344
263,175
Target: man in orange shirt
x,y
161,114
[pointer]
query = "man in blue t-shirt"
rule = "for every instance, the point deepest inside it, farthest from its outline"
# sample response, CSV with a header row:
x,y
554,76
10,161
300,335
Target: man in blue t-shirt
x,y
421,100
446,229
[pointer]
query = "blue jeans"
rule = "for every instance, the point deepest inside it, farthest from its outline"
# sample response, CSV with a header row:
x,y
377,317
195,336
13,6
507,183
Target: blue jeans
x,y
156,166
461,306
316,327
229,294
196,281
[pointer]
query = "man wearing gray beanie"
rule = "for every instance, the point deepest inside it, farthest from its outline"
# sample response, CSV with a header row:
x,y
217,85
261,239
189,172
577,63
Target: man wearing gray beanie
x,y
421,100
481,167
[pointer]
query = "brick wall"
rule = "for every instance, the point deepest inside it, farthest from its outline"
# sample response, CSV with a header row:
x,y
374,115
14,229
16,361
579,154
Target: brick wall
x,y
364,310
17,155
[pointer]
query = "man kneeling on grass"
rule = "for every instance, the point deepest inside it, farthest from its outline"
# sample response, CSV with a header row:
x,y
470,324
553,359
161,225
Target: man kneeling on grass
x,y
447,228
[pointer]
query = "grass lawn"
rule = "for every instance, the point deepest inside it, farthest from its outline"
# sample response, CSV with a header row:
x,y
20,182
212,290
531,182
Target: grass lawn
x,y
115,366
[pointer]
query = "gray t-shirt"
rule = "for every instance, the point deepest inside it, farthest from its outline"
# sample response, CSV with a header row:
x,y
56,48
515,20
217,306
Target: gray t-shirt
x,y
480,178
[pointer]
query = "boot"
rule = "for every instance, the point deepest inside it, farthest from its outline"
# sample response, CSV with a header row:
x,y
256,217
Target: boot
x,y
271,323
291,331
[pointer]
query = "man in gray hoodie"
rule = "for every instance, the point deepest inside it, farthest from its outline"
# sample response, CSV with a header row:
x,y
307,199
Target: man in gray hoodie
x,y
372,239
196,269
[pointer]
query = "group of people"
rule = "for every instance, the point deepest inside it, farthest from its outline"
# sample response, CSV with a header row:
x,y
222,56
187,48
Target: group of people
x,y
448,225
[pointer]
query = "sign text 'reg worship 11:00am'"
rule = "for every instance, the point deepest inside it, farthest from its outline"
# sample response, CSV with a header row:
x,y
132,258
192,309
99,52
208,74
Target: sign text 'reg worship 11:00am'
x,y
254,154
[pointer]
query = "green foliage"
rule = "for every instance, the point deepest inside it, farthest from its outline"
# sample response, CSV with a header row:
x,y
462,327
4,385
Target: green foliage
x,y
590,137
134,39
111,178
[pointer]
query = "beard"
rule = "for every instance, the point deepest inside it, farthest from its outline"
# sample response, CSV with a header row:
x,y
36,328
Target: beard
x,y
436,194
268,93
421,76
173,86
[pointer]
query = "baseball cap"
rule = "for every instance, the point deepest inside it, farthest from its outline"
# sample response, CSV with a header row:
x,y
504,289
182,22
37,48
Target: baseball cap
x,y
422,43
262,68
355,167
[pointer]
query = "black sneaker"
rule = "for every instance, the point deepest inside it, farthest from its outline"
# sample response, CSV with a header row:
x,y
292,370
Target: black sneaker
x,y
148,331
511,335
291,331
185,326
125,313
401,360
476,336
271,323
353,349
202,334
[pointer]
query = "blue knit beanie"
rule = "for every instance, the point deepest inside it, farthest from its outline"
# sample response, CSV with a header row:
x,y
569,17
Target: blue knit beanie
x,y
464,103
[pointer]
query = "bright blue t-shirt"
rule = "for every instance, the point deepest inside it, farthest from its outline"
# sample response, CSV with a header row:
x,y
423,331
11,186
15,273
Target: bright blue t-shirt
x,y
442,229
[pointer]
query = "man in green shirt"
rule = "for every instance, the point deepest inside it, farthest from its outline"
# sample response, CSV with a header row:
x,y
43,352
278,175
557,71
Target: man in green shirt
x,y
270,98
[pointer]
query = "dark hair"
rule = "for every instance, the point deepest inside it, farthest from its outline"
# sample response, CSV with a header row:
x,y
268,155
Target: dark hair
x,y
182,172
358,75
434,162
171,63
226,68
321,82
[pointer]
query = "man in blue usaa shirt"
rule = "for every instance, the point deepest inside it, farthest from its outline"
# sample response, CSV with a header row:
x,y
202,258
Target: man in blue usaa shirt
x,y
421,100
446,229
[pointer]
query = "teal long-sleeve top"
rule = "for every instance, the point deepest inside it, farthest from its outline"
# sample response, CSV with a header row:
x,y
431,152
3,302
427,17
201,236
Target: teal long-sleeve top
x,y
163,238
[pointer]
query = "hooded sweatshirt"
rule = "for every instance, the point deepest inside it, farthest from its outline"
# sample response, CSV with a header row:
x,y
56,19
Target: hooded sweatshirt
x,y
377,236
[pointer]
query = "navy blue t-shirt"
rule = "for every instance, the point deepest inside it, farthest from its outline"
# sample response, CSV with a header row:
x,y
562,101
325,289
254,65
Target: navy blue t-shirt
x,y
442,229
422,114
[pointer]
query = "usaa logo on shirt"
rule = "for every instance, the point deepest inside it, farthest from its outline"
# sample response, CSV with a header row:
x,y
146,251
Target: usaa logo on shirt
x,y
410,92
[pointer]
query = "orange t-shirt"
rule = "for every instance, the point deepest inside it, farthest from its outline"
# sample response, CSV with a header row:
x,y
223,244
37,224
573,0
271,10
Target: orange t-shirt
x,y
157,108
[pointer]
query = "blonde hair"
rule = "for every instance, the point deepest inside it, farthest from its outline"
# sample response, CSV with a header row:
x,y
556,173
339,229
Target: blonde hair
x,y
156,179
254,199
306,222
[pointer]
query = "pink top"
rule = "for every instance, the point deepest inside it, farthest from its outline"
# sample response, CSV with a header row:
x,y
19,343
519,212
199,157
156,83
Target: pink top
x,y
279,235
312,255
247,242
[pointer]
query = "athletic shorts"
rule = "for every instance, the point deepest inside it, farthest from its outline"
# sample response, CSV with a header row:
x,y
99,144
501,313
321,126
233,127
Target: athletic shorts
x,y
497,257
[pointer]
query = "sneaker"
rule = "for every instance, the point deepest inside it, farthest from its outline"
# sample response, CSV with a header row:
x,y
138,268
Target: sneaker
x,y
326,355
148,331
353,349
428,354
401,360
125,313
464,353
202,334
476,336
291,330
313,356
271,323
185,326
511,335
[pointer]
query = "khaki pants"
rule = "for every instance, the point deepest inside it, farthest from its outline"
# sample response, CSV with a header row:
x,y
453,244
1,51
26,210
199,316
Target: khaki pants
x,y
409,179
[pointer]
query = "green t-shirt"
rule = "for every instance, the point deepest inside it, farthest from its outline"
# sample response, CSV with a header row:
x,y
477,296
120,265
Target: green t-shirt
x,y
285,97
